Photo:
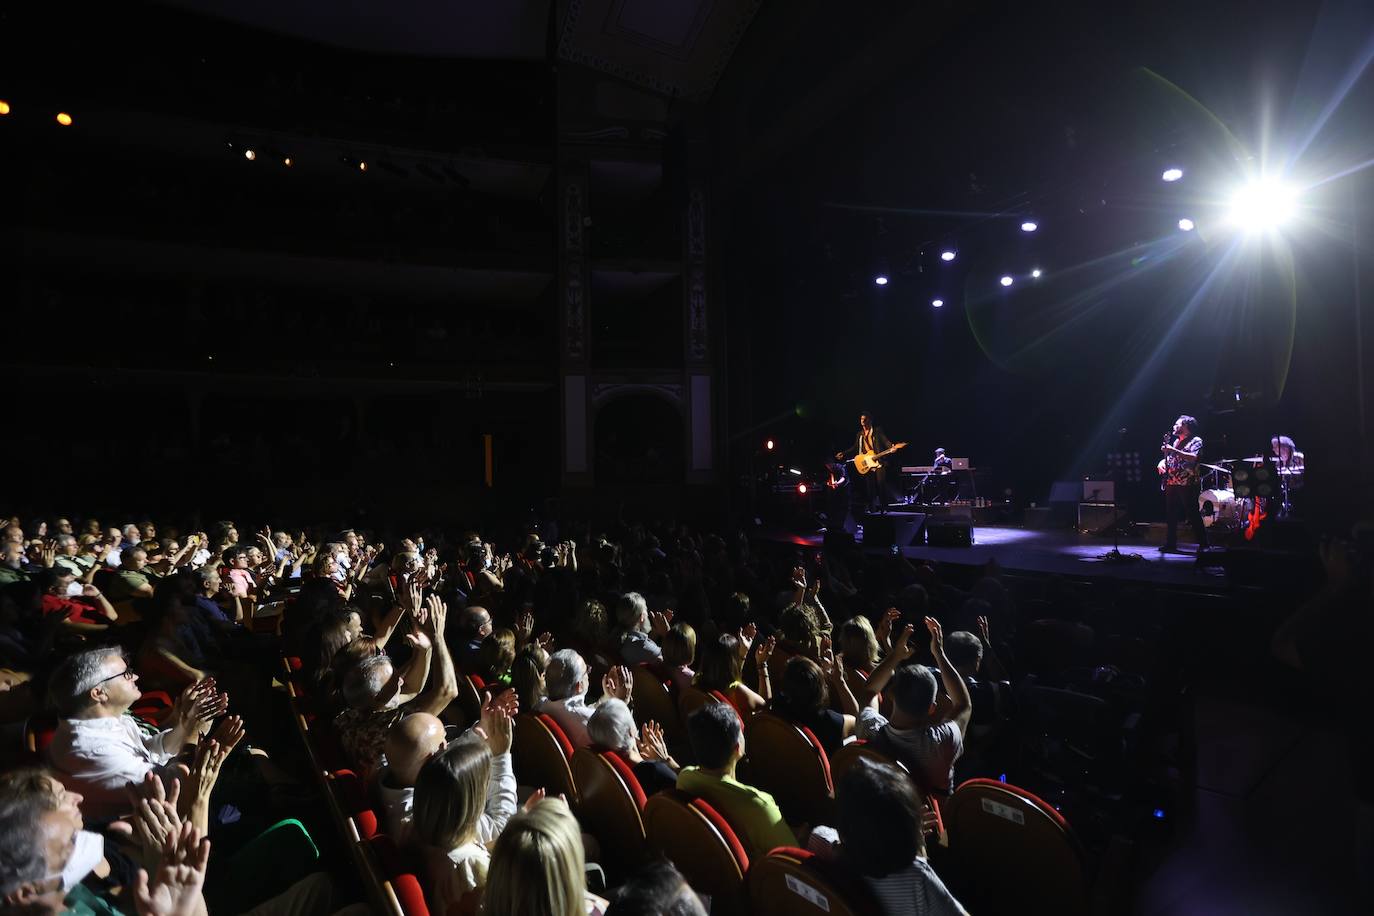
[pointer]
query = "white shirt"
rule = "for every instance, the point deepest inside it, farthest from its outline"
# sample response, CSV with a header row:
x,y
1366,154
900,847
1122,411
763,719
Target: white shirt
x,y
398,804
572,714
99,757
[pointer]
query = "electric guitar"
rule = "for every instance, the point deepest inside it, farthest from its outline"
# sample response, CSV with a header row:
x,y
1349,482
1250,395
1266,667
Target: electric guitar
x,y
871,461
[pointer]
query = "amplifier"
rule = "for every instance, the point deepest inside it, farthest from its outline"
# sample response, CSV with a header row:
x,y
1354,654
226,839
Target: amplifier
x,y
949,532
1096,518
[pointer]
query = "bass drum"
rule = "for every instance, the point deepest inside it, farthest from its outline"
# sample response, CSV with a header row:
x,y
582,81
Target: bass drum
x,y
1218,507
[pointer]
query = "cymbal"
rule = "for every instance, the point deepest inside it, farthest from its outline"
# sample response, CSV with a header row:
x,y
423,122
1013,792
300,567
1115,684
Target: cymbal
x,y
1217,467
1256,460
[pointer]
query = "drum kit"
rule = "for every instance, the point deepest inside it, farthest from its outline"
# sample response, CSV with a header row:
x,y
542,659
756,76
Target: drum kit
x,y
1219,504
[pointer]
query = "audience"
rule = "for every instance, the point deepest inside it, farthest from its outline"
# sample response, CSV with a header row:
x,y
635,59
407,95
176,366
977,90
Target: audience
x,y
718,743
922,735
612,728
639,629
566,682
881,839
679,654
538,865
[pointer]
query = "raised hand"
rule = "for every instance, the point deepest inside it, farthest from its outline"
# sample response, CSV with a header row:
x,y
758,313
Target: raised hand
x,y
799,577
984,632
937,636
175,889
524,626
419,641
652,746
507,700
764,650
903,648
616,683
438,615
659,622
496,724
535,798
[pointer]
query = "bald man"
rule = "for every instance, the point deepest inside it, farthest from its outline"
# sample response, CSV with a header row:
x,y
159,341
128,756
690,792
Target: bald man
x,y
409,745
415,739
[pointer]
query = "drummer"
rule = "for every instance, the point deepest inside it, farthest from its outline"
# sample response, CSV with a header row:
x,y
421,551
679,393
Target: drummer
x,y
1286,455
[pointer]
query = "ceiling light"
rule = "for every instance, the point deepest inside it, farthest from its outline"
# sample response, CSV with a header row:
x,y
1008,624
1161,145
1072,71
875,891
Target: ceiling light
x,y
1006,281
1029,226
1172,174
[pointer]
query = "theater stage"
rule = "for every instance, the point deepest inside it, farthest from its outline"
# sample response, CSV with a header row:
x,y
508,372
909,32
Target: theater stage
x,y
1053,551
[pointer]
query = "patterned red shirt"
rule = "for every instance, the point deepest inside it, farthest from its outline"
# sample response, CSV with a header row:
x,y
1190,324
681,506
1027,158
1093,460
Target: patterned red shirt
x,y
1179,471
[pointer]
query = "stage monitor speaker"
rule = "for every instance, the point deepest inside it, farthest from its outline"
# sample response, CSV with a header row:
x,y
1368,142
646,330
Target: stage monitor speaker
x,y
949,532
904,529
1096,518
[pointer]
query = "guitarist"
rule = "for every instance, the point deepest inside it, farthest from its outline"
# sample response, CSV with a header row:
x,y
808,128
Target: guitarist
x,y
1179,470
870,439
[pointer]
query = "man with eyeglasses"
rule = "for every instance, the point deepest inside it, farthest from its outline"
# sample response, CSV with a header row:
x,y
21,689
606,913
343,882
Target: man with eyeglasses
x,y
99,746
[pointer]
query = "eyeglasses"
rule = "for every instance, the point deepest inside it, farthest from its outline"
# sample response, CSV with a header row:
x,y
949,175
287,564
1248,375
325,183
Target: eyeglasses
x,y
128,674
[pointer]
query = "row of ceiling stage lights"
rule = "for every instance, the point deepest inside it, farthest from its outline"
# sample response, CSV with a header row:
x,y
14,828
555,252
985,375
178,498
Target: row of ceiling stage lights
x,y
61,117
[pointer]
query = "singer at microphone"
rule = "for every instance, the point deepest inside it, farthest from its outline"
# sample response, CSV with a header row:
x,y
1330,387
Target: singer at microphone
x,y
1179,472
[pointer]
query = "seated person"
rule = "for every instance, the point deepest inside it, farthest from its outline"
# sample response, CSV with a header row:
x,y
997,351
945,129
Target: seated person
x,y
613,728
882,840
566,680
679,654
452,793
372,691
538,864
76,603
132,580
921,735
657,889
718,742
474,625
415,740
639,629
494,658
98,746
803,698
722,665
527,675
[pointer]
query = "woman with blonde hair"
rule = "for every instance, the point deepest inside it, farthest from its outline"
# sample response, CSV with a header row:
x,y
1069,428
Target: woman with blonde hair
x,y
452,792
538,867
860,653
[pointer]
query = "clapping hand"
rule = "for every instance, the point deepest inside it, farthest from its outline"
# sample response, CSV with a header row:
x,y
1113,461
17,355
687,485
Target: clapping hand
x,y
616,683
984,632
764,650
652,745
496,722
937,636
155,814
175,888
659,621
903,648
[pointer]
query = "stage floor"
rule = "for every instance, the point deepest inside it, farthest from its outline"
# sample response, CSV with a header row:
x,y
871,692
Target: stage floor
x,y
1055,551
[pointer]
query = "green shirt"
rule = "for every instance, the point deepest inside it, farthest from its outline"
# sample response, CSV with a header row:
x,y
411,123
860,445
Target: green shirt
x,y
126,583
10,576
83,901
751,812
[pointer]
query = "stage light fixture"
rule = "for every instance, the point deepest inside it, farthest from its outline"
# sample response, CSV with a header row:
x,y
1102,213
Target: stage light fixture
x,y
1006,281
286,162
362,166
881,280
1036,273
64,119
1264,204
937,303
794,472
1172,174
250,155
770,444
947,255
1186,225
4,107
801,488
1029,226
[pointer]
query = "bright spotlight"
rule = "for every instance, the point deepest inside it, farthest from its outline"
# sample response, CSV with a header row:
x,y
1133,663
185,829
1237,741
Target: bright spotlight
x,y
1265,204
1029,226
880,280
250,155
1005,281
1036,273
362,166
937,303
64,119
947,256
1172,174
801,488
4,107
769,445
286,162
1186,224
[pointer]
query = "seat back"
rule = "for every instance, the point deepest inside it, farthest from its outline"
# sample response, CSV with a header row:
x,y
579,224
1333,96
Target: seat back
x,y
541,754
787,761
466,708
1000,829
699,841
793,881
654,700
611,806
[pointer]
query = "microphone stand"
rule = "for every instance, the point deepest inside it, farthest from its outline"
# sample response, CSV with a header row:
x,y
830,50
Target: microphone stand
x,y
1115,555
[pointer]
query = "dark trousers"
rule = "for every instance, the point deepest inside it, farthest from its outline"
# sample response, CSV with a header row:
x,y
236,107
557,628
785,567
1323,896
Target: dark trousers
x,y
1183,501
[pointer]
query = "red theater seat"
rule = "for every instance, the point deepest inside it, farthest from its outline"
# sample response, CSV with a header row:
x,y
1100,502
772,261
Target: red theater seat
x,y
787,761
542,755
793,881
699,841
611,802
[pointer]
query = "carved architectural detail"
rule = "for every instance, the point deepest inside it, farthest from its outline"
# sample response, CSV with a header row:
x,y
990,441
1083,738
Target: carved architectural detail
x,y
573,208
604,391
